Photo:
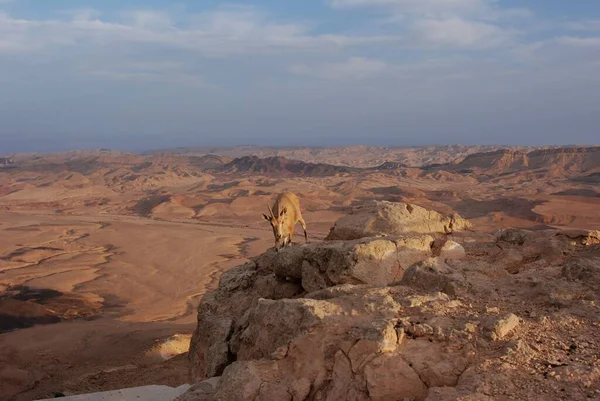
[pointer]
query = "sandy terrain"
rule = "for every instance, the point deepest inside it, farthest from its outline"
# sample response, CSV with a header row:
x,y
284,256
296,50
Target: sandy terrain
x,y
104,255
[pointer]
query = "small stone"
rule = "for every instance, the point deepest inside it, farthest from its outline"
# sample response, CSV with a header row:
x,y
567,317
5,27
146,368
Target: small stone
x,y
452,250
421,330
400,334
500,327
454,304
470,327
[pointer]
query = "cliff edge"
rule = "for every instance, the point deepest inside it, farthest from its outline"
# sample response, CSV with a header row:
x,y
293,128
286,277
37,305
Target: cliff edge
x,y
426,313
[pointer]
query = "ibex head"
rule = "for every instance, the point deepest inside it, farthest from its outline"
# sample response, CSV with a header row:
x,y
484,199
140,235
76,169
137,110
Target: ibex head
x,y
280,228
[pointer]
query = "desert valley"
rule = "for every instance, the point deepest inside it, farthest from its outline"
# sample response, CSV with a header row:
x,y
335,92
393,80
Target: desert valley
x,y
105,257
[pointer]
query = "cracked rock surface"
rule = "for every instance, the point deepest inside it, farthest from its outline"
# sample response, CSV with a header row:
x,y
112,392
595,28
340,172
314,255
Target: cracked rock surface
x,y
420,316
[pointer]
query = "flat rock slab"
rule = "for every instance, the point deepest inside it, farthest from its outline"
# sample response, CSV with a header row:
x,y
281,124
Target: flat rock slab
x,y
146,393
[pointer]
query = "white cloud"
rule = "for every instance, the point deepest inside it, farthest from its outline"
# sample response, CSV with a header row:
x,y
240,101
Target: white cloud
x,y
87,43
579,42
353,68
486,9
460,33
150,20
476,24
143,76
81,14
585,25
226,31
411,5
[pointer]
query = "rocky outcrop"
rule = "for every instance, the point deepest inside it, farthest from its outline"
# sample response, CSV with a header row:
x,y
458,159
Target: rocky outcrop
x,y
375,261
380,218
287,274
345,320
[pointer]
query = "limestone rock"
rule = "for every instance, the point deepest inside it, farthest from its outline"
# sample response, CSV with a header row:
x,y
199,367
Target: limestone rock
x,y
359,262
285,319
389,377
452,250
239,289
435,366
285,348
390,218
433,275
243,381
372,261
418,300
331,321
285,263
498,328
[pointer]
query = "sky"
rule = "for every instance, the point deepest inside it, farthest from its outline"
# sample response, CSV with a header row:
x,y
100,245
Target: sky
x,y
137,75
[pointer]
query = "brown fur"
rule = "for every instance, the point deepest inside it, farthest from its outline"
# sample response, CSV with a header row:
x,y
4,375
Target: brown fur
x,y
283,218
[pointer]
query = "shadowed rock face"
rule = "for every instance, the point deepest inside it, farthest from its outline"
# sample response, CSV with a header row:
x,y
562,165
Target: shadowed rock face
x,y
327,321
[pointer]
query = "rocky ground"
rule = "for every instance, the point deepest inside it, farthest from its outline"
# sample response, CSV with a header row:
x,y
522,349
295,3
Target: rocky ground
x,y
396,304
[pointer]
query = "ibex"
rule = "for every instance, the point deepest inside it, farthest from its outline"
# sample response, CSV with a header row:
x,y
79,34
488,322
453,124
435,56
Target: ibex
x,y
283,217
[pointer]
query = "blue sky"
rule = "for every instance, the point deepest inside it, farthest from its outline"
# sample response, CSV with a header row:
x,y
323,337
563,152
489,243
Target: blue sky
x,y
136,75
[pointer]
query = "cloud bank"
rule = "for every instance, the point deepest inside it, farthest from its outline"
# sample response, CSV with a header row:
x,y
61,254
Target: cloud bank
x,y
355,71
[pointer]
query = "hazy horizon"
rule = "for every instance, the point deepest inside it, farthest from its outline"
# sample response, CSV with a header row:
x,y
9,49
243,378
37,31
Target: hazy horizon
x,y
156,74
284,147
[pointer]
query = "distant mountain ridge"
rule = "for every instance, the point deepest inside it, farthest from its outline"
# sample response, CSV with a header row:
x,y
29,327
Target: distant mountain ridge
x,y
569,160
278,164
564,161
361,156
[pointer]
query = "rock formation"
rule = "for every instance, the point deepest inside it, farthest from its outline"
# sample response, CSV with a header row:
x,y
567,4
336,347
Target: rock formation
x,y
379,218
412,315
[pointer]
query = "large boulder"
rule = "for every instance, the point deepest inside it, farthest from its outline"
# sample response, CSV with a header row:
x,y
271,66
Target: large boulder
x,y
381,218
375,261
